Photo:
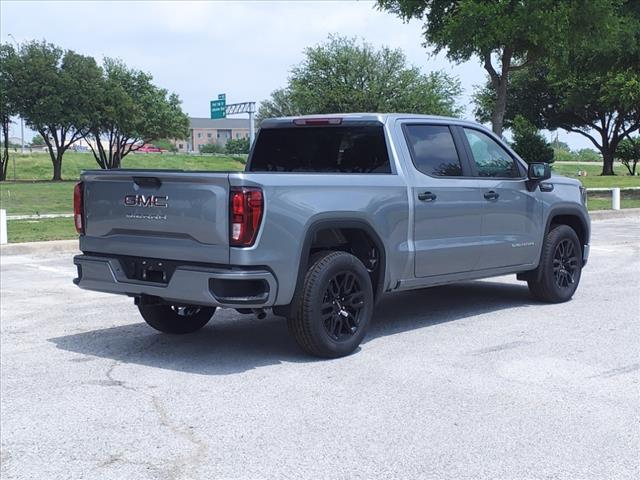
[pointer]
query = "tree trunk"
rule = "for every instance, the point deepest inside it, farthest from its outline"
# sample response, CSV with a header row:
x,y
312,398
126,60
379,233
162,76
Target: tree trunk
x,y
607,165
4,162
57,165
497,116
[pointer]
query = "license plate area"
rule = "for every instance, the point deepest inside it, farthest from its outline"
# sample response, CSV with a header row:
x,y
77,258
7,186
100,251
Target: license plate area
x,y
148,270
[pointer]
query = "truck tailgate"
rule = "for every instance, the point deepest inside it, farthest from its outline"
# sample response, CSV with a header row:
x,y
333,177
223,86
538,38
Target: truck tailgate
x,y
157,214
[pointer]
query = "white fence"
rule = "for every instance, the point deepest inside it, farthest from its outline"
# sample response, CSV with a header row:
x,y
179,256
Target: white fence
x,y
615,194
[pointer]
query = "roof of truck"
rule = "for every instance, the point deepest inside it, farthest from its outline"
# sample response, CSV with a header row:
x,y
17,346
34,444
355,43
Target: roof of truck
x,y
368,117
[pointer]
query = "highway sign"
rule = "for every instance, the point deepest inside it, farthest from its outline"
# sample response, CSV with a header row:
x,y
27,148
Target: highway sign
x,y
218,108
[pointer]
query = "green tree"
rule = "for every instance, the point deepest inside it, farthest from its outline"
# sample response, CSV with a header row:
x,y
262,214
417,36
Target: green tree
x,y
588,155
37,140
53,91
514,33
240,145
603,107
281,104
594,92
129,112
7,106
560,145
342,75
528,142
629,153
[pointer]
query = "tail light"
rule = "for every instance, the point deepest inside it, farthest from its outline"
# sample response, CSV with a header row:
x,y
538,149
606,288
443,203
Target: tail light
x,y
245,213
78,208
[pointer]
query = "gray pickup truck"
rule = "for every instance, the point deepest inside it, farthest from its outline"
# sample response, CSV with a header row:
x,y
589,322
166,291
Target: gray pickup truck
x,y
330,213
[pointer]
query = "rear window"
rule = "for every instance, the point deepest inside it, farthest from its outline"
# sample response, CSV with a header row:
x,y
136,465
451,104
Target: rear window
x,y
327,149
433,150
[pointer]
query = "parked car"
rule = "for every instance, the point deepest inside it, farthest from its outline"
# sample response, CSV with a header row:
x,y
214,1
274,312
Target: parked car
x,y
149,148
329,215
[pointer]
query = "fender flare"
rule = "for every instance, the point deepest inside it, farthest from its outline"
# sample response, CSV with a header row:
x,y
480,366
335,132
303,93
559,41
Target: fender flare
x,y
570,210
321,224
573,211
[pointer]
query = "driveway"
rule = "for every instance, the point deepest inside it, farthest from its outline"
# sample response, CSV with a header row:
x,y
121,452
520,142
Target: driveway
x,y
474,380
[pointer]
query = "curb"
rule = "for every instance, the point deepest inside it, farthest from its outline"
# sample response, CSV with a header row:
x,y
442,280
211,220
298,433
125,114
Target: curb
x,y
607,214
53,246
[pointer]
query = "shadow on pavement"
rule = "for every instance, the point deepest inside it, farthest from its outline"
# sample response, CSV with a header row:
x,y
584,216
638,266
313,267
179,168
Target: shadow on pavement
x,y
242,342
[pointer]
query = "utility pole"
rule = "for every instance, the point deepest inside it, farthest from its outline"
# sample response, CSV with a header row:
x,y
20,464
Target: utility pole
x,y
252,128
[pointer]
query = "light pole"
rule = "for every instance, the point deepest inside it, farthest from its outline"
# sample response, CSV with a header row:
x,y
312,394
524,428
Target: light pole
x,y
252,128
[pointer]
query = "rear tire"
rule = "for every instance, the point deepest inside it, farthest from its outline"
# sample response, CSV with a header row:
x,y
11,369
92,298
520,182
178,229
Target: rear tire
x,y
176,319
560,266
334,307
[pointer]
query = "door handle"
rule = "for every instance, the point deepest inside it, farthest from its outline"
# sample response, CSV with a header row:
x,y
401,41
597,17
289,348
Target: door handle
x,y
427,196
491,195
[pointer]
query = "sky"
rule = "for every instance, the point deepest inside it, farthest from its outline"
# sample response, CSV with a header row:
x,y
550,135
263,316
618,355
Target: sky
x,y
245,49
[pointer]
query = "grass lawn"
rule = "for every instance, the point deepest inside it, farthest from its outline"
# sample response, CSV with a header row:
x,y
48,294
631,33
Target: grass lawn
x,y
34,194
38,195
37,230
593,178
34,198
37,166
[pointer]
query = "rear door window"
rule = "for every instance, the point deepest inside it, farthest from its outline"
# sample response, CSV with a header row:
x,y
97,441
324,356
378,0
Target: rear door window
x,y
433,151
325,149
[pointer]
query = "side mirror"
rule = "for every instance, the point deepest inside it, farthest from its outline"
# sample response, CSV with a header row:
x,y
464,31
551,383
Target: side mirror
x,y
539,172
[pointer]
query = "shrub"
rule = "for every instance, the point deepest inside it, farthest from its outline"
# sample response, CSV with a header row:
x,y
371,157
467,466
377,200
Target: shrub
x,y
528,142
628,153
212,148
241,145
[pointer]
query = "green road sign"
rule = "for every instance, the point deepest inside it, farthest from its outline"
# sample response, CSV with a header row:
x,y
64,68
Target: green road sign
x,y
218,108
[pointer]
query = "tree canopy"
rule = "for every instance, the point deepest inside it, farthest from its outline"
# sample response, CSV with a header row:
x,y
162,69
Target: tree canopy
x,y
593,92
130,111
65,96
528,142
53,90
513,33
343,75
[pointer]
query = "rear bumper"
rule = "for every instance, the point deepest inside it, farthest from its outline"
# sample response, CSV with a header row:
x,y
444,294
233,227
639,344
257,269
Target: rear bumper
x,y
189,284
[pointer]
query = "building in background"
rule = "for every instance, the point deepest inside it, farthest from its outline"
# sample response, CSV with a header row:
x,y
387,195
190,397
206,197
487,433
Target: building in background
x,y
203,131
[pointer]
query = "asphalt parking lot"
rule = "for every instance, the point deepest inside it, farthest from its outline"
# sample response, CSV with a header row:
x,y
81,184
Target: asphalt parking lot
x,y
467,381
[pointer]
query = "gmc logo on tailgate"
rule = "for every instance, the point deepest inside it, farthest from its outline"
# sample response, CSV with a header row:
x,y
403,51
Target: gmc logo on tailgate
x,y
161,201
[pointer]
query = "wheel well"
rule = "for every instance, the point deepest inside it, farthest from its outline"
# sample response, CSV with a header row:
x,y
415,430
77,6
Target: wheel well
x,y
356,241
573,222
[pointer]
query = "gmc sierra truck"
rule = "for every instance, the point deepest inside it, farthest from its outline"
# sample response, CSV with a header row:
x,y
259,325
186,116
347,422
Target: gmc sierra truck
x,y
330,213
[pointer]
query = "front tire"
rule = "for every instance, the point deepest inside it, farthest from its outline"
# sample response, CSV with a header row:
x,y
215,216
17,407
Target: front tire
x,y
560,266
334,307
176,319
